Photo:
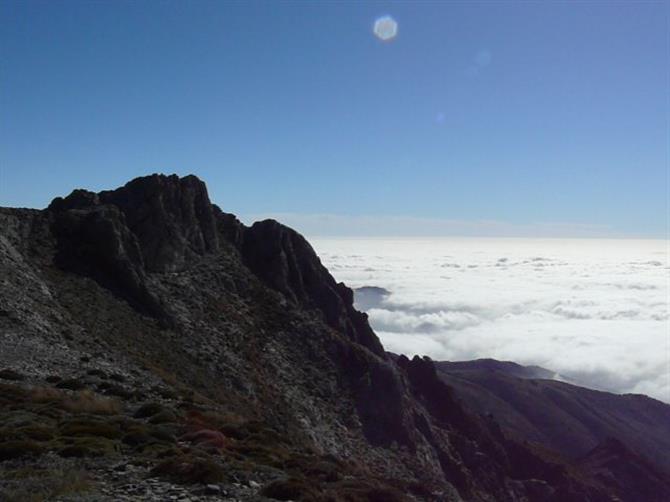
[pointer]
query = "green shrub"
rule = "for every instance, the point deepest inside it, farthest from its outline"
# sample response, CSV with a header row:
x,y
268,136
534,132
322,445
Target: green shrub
x,y
267,454
190,469
159,451
148,410
88,447
322,470
163,417
83,427
20,448
367,490
289,489
39,485
37,432
11,394
385,494
138,435
164,432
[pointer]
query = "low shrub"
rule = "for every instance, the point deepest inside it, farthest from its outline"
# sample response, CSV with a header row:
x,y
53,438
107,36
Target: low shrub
x,y
289,489
163,417
159,451
89,402
84,427
11,394
37,432
148,410
39,485
385,494
207,438
323,471
88,447
164,432
71,384
266,454
20,448
361,490
10,374
137,438
190,469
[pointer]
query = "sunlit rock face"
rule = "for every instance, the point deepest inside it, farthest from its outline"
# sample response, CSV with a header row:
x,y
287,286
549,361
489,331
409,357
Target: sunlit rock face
x,y
385,28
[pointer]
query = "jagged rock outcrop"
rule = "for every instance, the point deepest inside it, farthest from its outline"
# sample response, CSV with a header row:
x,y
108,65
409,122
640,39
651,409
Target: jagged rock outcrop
x,y
160,224
282,258
171,219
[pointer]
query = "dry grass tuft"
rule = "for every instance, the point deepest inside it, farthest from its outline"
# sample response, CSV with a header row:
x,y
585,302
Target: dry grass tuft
x,y
38,485
85,401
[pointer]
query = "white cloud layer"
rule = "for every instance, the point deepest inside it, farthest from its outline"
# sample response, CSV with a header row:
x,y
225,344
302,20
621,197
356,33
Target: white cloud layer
x,y
595,311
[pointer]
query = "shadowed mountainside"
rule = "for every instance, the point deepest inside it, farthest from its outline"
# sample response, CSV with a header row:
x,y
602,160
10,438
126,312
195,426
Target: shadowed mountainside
x,y
148,333
563,417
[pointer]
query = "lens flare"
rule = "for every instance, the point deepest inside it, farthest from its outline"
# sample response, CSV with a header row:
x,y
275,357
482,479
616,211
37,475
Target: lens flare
x,y
385,28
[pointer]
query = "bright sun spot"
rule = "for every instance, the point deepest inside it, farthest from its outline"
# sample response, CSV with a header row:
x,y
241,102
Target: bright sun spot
x,y
385,28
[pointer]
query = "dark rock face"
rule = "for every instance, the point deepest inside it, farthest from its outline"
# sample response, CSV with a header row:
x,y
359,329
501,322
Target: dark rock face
x,y
97,242
165,223
283,259
383,404
171,218
152,224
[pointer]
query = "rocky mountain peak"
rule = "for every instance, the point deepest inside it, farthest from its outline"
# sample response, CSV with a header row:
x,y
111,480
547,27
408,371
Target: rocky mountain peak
x,y
172,218
159,224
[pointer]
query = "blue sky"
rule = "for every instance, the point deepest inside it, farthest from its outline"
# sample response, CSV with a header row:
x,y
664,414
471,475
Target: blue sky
x,y
519,113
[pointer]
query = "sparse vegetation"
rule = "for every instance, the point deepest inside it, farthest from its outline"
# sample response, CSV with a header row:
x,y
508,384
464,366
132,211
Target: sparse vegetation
x,y
190,469
40,485
148,410
289,489
20,448
90,427
163,417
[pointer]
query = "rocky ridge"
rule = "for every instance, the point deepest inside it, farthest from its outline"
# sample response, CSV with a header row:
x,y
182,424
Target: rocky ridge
x,y
144,330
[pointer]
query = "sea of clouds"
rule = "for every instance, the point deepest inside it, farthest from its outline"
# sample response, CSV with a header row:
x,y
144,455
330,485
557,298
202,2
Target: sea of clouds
x,y
594,311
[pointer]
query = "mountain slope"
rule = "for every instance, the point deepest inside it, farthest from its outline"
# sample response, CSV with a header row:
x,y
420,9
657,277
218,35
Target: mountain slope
x,y
147,332
566,418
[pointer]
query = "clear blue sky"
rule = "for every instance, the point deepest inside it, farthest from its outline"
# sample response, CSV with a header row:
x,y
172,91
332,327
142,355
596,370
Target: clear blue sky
x,y
519,112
